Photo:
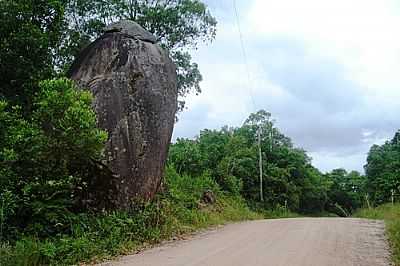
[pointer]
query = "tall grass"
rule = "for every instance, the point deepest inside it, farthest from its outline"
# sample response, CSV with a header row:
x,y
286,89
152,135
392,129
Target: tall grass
x,y
391,214
177,211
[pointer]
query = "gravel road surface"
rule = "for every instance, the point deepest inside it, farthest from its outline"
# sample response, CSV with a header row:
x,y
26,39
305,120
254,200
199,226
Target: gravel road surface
x,y
281,242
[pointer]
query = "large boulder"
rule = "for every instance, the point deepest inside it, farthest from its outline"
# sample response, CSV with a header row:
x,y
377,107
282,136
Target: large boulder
x,y
134,84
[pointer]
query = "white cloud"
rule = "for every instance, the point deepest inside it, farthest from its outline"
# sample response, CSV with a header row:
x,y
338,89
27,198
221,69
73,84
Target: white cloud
x,y
327,160
361,34
326,70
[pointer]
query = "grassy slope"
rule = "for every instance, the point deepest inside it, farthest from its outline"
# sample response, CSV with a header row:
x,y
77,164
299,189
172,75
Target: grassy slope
x,y
101,237
391,214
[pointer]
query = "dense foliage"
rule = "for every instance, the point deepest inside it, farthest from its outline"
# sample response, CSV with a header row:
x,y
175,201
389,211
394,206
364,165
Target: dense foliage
x,y
30,32
383,171
230,156
346,191
46,160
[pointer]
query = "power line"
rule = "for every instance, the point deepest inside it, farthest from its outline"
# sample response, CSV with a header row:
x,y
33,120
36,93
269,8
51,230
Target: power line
x,y
242,45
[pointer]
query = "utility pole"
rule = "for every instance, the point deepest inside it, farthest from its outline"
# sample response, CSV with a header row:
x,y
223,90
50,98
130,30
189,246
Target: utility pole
x,y
367,200
260,164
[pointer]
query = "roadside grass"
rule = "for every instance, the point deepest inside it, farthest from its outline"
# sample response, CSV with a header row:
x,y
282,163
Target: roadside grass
x,y
93,238
391,214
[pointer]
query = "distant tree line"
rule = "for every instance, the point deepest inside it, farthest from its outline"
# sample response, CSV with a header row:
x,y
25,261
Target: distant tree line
x,y
230,155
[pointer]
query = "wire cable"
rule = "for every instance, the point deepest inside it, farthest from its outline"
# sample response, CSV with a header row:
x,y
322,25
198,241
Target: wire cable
x,y
242,45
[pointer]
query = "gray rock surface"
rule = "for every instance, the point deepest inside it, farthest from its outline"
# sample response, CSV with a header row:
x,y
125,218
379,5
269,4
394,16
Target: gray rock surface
x,y
132,29
135,97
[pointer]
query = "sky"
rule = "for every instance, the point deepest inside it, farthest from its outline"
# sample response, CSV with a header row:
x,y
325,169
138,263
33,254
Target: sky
x,y
327,71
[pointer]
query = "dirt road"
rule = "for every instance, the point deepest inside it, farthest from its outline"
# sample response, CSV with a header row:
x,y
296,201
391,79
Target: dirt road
x,y
283,242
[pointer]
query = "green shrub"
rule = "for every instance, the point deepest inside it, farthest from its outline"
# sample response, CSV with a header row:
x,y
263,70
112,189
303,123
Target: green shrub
x,y
233,184
186,158
45,161
187,190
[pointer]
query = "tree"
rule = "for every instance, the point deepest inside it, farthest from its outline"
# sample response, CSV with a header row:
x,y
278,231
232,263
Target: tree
x,y
383,170
186,158
345,191
30,32
313,196
178,24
